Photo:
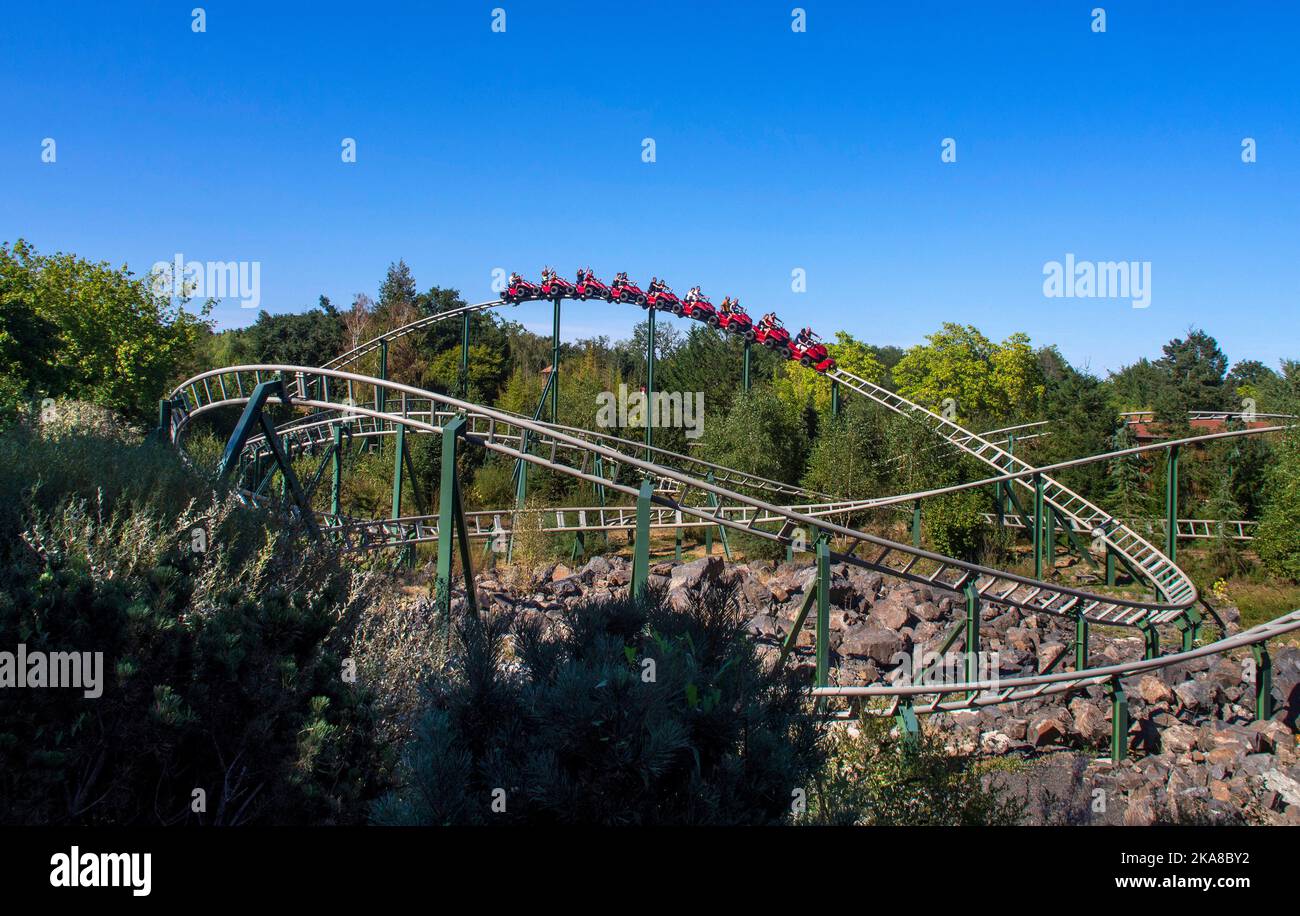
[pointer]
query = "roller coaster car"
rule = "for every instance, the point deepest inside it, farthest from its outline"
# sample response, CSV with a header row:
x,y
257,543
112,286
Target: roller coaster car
x,y
591,288
665,301
773,336
701,310
522,292
811,353
737,322
559,288
627,292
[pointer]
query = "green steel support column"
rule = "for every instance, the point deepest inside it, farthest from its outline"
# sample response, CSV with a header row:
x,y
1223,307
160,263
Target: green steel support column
x,y
1118,720
464,358
1263,681
1008,487
972,631
744,375
1080,641
1151,640
451,526
677,549
835,398
1171,505
521,495
555,364
916,523
641,548
649,381
600,493
1050,558
1038,526
336,470
789,552
165,417
1189,624
908,726
380,393
284,480
399,450
1110,565
579,545
823,586
722,531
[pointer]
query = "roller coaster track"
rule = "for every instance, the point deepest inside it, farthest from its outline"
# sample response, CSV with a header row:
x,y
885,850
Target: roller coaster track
x,y
676,502
502,433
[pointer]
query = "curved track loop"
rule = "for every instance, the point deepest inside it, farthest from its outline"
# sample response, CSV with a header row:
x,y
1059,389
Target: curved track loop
x,y
326,389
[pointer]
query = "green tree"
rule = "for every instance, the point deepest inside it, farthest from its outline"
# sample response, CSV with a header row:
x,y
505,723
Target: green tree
x,y
115,341
987,380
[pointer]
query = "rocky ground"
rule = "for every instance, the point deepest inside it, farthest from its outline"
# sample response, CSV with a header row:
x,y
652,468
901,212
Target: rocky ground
x,y
1197,755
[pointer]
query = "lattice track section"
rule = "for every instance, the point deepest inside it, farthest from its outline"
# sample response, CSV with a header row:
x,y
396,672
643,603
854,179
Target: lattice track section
x,y
1163,574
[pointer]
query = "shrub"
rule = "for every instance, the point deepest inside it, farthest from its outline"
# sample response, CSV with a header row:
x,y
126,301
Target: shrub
x,y
222,668
633,713
871,779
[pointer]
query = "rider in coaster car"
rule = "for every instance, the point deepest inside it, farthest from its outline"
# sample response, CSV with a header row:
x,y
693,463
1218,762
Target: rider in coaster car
x,y
515,279
804,337
724,307
582,275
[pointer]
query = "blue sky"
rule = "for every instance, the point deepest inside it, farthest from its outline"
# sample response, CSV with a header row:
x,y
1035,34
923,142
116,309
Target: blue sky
x,y
774,151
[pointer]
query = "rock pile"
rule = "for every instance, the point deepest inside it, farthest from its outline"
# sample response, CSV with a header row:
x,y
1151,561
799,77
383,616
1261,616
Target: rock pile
x,y
1199,753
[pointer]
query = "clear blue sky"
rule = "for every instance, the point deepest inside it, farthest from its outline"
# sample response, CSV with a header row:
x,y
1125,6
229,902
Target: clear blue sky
x,y
775,150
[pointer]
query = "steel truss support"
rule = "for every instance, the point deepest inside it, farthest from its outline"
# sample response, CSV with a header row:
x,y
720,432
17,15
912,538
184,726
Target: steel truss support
x,y
1038,526
835,398
555,364
908,727
1151,641
649,382
1080,641
252,417
972,631
744,372
1118,720
336,469
464,359
1189,625
1171,505
1263,681
819,593
641,546
451,526
722,530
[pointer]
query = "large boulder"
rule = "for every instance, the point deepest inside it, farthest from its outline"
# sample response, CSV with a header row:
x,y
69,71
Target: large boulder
x,y
891,614
871,641
690,575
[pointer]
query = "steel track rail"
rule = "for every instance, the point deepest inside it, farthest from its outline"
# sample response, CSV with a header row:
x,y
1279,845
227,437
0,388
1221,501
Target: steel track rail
x,y
1011,690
